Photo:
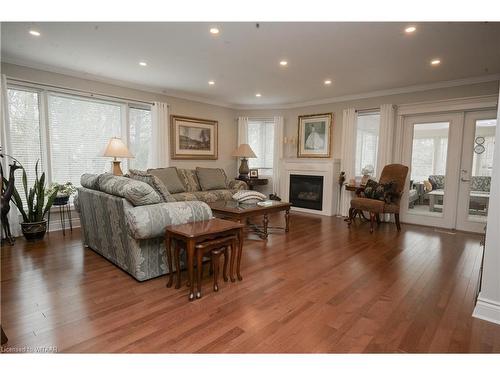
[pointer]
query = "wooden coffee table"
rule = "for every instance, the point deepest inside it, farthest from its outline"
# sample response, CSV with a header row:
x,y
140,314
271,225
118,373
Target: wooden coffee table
x,y
242,212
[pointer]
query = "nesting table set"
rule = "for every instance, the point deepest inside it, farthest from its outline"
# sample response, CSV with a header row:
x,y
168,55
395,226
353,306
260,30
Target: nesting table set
x,y
213,238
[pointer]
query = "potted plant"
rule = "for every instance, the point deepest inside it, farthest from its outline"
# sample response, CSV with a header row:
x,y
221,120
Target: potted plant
x,y
38,203
63,192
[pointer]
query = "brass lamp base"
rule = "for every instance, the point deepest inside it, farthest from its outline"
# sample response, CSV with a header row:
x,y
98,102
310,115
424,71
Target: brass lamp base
x,y
244,170
117,171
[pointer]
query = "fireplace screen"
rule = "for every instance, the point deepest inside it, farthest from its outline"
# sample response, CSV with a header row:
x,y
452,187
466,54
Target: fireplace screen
x,y
306,191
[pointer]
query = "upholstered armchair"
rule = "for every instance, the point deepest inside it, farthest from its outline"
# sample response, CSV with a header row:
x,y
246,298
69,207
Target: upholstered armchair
x,y
391,173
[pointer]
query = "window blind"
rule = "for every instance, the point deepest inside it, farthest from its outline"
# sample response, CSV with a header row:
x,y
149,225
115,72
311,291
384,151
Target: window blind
x,y
367,134
261,140
140,137
25,134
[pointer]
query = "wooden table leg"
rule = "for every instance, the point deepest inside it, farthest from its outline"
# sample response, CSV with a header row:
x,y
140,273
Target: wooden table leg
x,y
240,251
287,220
177,256
168,246
190,259
266,224
199,272
231,261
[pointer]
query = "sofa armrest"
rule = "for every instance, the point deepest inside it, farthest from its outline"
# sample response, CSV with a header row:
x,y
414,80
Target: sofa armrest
x,y
238,185
150,221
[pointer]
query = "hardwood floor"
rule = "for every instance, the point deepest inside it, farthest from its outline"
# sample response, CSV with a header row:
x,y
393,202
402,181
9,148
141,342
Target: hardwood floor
x,y
320,288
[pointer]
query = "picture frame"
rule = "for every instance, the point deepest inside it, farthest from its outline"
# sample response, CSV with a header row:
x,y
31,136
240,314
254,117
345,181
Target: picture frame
x,y
314,136
193,138
254,173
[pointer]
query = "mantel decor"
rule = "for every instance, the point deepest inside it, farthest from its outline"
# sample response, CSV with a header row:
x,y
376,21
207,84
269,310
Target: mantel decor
x,y
193,138
314,138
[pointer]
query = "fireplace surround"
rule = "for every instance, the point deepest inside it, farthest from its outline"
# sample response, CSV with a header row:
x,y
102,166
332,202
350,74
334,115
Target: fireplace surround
x,y
306,191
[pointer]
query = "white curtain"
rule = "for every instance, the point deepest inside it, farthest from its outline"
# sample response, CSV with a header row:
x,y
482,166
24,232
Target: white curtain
x,y
278,154
159,156
386,137
14,215
348,155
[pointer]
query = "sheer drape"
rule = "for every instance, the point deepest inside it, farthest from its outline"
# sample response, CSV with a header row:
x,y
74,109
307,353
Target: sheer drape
x,y
278,153
160,157
348,155
386,137
14,216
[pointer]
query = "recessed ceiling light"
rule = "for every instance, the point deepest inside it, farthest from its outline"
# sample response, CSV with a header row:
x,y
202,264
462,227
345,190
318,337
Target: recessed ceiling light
x,y
435,62
258,95
410,29
211,83
328,82
283,63
214,30
35,33
143,63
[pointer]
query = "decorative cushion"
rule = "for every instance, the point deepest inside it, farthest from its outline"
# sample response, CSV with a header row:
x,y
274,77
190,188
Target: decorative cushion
x,y
248,196
154,181
189,179
437,181
90,181
480,183
211,178
170,179
428,186
136,192
384,192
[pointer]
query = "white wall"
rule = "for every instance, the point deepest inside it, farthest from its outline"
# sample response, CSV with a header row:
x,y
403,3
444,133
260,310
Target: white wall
x,y
488,304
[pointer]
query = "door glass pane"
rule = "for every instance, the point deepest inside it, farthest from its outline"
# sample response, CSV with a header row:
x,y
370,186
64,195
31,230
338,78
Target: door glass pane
x,y
482,164
428,168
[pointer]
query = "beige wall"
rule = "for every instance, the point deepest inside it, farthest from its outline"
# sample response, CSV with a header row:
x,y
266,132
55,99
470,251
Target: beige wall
x,y
291,115
225,116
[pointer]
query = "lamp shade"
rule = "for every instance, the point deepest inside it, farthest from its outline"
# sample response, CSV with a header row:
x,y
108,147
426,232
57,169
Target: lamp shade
x,y
244,151
117,149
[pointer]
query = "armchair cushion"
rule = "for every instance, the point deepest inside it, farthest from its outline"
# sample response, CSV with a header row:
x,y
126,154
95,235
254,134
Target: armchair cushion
x,y
374,205
150,221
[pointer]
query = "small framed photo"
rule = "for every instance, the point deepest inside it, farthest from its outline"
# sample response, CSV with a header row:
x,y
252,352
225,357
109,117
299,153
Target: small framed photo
x,y
314,140
193,138
254,173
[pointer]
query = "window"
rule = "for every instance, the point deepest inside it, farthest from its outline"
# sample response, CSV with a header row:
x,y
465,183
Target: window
x,y
261,140
79,130
140,137
72,136
24,134
367,132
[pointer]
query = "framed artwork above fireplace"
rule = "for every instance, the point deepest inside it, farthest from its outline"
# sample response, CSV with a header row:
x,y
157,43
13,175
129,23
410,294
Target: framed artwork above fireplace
x,y
315,133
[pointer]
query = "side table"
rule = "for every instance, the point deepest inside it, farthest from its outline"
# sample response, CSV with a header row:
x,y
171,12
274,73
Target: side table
x,y
252,182
194,233
64,213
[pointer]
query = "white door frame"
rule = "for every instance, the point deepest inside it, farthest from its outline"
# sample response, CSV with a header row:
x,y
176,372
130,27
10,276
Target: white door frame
x,y
463,221
448,216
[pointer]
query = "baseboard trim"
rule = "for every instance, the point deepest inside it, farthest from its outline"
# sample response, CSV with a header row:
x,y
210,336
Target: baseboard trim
x,y
487,309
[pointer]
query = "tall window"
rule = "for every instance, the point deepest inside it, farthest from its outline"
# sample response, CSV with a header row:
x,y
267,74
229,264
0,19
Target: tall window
x,y
72,136
261,140
25,133
367,132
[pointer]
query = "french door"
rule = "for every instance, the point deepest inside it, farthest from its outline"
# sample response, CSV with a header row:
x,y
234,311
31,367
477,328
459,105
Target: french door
x,y
450,159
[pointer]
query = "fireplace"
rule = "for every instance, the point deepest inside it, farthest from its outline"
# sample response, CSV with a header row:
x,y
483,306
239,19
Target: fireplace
x,y
306,191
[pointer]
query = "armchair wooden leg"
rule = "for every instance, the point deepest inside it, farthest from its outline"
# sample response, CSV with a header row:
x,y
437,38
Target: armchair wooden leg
x,y
351,216
398,224
372,220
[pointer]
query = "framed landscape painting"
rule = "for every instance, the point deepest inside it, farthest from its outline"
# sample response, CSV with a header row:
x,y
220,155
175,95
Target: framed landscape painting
x,y
193,138
314,140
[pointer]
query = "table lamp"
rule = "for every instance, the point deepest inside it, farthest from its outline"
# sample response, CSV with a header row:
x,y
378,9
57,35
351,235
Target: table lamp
x,y
244,151
117,149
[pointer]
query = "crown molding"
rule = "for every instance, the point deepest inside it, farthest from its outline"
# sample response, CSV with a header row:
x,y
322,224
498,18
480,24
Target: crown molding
x,y
181,95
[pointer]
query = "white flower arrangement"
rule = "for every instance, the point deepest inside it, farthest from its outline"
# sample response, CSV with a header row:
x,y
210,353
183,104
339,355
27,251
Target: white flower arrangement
x,y
367,170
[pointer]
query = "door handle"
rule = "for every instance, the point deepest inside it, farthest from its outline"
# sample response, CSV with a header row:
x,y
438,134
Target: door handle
x,y
464,179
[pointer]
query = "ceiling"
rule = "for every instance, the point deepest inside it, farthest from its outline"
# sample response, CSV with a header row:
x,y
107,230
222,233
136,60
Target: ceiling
x,y
243,59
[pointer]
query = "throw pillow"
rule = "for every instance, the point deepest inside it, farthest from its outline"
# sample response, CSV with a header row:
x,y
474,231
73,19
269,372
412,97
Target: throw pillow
x,y
427,186
384,192
154,182
211,178
136,192
170,179
248,196
90,181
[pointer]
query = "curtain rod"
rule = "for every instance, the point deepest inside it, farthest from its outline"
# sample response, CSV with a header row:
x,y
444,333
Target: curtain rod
x,y
75,91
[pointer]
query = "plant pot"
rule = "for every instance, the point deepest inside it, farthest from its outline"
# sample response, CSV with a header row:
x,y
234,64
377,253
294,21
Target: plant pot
x,y
61,200
34,231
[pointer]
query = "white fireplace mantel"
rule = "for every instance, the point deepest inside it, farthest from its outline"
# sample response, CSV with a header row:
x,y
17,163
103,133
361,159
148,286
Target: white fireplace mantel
x,y
311,168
